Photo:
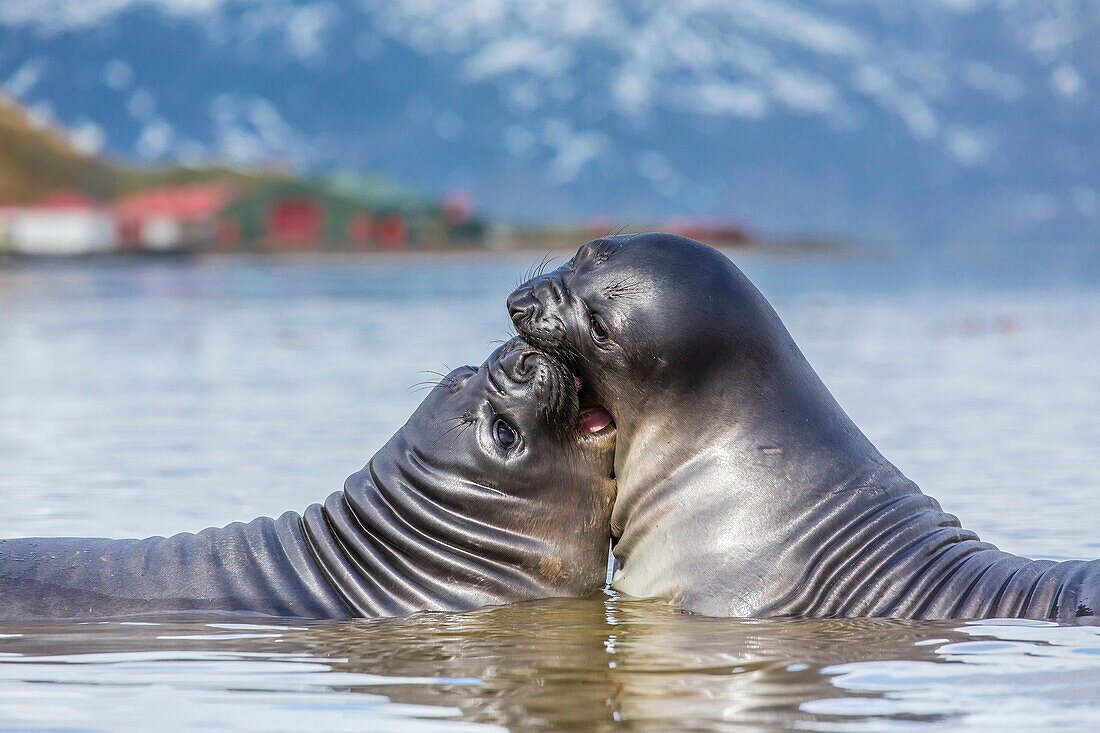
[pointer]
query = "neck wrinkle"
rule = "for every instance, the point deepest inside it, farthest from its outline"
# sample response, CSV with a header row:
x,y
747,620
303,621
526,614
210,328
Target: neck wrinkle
x,y
915,561
408,499
846,544
388,551
901,555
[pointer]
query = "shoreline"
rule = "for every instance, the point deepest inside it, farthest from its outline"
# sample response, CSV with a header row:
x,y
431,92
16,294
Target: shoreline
x,y
794,247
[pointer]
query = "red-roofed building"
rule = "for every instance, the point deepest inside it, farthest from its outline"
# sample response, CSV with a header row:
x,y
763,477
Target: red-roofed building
x,y
458,208
171,217
66,200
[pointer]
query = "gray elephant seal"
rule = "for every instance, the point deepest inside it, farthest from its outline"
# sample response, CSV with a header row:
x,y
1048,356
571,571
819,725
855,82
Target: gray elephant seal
x,y
491,493
743,487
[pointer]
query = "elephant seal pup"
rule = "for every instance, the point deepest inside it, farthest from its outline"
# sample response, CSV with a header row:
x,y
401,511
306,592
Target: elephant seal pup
x,y
743,487
491,493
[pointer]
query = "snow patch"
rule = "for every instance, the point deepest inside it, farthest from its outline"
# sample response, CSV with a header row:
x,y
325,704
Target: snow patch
x,y
573,150
88,137
118,75
57,16
155,140
25,78
1067,82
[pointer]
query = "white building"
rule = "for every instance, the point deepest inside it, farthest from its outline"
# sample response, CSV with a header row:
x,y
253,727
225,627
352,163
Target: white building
x,y
57,229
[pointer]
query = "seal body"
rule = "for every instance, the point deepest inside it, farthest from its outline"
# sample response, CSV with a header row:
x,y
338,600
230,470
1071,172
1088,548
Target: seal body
x,y
265,566
490,494
743,487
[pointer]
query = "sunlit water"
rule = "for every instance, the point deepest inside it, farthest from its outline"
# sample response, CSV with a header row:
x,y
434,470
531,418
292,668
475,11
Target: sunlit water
x,y
147,398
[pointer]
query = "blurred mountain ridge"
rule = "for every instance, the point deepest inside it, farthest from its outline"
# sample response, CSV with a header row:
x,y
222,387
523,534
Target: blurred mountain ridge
x,y
35,161
934,120
39,161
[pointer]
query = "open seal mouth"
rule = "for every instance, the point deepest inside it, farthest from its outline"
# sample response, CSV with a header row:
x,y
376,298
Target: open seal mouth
x,y
547,332
559,393
594,419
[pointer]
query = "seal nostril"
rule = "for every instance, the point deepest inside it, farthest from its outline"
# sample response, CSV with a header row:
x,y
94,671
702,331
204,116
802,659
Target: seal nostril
x,y
520,302
523,314
524,367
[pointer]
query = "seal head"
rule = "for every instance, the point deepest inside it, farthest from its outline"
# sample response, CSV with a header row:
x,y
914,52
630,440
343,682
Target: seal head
x,y
492,492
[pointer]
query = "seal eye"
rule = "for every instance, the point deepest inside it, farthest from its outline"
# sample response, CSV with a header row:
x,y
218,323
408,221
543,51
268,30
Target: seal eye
x,y
599,333
504,433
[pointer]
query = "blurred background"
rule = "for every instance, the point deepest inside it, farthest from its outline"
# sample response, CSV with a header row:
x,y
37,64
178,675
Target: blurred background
x,y
234,232
365,124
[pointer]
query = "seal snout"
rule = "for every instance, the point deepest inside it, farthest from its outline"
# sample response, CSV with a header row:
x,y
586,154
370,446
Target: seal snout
x,y
523,306
560,393
550,383
522,362
533,305
538,311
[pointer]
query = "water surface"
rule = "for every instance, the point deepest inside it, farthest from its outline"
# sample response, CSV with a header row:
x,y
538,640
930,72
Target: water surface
x,y
143,398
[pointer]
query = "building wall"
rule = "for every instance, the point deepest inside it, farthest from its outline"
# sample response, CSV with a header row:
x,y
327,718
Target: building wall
x,y
301,218
48,232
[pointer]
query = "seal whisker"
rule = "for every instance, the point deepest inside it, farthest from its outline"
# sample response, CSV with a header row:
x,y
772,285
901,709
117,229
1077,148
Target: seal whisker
x,y
431,384
574,353
462,428
467,416
601,250
509,334
529,272
624,289
449,430
546,262
426,386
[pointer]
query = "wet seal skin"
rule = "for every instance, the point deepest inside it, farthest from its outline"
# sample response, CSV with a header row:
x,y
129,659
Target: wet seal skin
x,y
743,487
493,492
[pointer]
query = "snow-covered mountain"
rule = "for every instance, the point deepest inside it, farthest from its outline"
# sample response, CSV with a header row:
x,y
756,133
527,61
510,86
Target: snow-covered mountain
x,y
918,120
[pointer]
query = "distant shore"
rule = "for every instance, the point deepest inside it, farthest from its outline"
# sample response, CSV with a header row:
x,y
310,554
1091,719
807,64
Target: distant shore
x,y
499,241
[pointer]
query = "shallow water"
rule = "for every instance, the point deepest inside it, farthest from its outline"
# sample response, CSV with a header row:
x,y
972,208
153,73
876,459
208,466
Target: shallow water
x,y
145,398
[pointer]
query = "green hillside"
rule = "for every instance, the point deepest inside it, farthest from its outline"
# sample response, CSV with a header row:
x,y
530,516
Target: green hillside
x,y
36,160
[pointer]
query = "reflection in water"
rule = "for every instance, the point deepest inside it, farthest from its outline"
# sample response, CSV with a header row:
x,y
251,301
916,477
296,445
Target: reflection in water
x,y
601,663
143,398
